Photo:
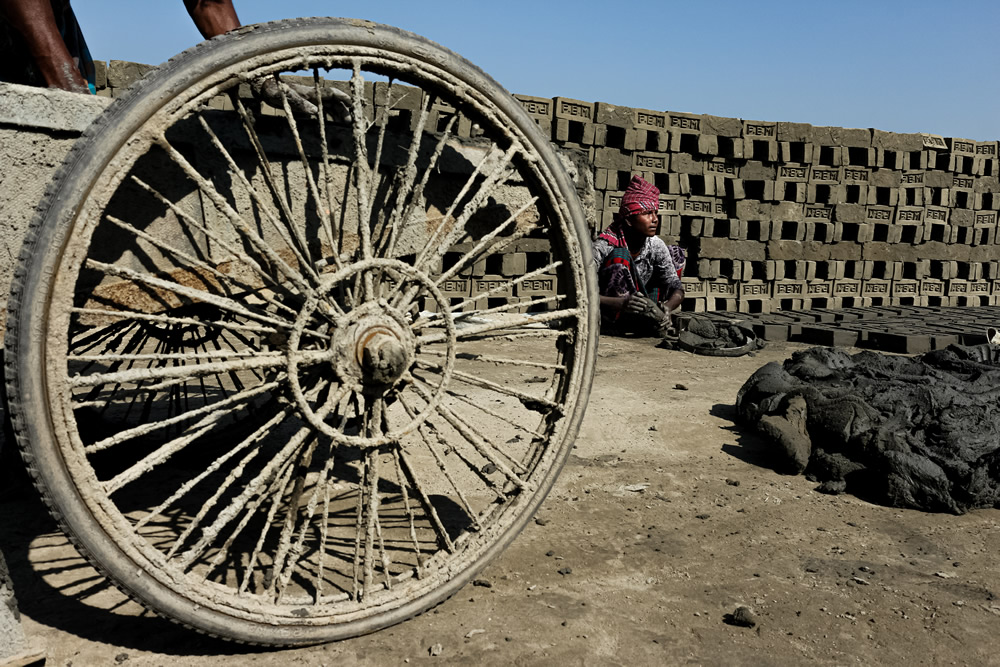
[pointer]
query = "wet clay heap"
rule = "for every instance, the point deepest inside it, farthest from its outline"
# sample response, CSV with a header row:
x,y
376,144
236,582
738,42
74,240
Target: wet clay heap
x,y
918,432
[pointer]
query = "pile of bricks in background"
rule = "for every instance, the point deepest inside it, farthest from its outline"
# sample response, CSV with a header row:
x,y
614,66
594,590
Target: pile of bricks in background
x,y
904,329
787,216
775,216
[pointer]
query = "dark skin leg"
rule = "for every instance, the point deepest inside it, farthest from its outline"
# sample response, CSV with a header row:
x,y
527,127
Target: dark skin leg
x,y
212,17
37,24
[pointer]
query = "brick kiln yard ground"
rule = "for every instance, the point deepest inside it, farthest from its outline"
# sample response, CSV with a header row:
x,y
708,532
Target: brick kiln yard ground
x,y
665,519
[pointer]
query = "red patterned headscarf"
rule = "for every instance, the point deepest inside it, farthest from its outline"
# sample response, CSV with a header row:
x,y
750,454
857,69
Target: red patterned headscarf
x,y
639,196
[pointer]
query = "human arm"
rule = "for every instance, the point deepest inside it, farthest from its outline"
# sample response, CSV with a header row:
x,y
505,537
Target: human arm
x,y
212,17
36,23
665,276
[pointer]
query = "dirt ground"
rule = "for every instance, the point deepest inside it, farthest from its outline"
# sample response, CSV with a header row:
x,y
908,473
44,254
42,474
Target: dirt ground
x,y
666,519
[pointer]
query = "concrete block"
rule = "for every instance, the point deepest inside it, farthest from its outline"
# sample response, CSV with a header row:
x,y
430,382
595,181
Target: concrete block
x,y
721,289
456,287
850,175
876,288
686,123
613,158
889,160
783,211
847,288
986,184
984,166
760,150
828,156
883,196
748,209
708,144
514,264
655,162
795,152
684,163
571,109
708,268
721,126
788,289
649,120
788,230
938,179
754,170
818,289
121,73
879,214
852,194
537,107
842,136
985,218
760,129
693,287
792,172
722,168
699,206
725,248
47,108
896,142
493,285
905,288
932,287
827,335
611,114
824,175
794,132
543,285
817,213
961,146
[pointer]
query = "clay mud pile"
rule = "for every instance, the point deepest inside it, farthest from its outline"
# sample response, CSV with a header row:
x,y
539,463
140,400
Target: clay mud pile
x,y
919,432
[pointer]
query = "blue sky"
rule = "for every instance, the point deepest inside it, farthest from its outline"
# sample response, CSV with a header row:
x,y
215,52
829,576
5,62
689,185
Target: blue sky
x,y
916,66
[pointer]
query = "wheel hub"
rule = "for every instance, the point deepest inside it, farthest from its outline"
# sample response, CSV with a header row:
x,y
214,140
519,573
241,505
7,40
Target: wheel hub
x,y
374,347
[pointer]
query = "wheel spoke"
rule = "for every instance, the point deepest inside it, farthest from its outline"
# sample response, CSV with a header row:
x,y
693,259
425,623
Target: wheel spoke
x,y
187,371
170,320
497,175
244,257
505,326
506,286
405,195
363,176
326,214
231,403
235,218
485,245
534,403
482,445
269,473
311,185
195,295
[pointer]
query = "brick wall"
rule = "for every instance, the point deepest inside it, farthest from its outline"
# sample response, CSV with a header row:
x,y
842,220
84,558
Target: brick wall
x,y
777,215
784,216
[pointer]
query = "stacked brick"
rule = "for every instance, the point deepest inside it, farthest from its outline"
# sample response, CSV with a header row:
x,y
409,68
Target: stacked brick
x,y
786,216
774,215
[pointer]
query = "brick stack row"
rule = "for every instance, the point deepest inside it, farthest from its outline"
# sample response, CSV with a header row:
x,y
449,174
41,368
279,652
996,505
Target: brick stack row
x,y
773,215
787,215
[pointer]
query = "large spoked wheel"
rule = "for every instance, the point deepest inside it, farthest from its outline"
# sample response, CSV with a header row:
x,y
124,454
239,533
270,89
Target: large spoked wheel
x,y
246,363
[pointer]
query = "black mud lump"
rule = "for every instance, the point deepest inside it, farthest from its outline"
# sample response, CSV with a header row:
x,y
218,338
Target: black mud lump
x,y
920,432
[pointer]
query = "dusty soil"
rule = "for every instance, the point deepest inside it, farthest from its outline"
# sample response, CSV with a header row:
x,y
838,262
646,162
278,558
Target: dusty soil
x,y
666,519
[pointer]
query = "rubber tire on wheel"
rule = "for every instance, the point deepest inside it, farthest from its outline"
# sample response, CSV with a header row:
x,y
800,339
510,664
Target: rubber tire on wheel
x,y
150,305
